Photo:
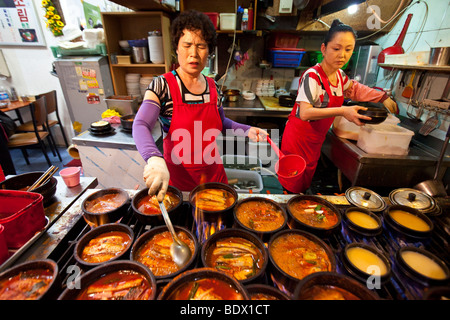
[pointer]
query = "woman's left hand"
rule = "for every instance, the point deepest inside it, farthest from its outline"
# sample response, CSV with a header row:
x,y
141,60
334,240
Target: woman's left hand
x,y
257,134
391,105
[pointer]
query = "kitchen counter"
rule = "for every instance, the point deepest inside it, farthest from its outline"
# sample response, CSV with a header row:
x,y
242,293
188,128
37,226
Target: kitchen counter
x,y
379,170
251,108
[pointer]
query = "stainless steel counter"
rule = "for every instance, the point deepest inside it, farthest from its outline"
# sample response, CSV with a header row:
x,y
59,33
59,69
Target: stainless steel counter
x,y
250,108
378,170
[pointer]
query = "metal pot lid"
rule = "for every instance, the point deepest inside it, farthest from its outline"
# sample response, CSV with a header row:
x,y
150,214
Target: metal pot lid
x,y
365,198
413,198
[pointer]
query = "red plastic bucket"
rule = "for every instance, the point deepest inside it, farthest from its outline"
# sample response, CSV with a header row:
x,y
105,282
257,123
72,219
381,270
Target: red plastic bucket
x,y
22,214
290,167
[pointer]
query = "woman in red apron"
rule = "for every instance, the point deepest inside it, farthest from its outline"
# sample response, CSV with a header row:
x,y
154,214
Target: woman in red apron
x,y
186,103
320,95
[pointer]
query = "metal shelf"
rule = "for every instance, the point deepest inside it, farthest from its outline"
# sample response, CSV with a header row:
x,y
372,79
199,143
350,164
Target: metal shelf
x,y
426,67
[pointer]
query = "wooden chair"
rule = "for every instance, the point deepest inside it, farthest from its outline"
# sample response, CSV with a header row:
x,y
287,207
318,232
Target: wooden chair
x,y
23,140
52,107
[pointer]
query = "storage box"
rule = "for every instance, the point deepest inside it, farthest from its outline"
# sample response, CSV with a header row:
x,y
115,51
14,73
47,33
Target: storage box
x,y
123,59
348,130
286,57
227,21
388,139
244,179
214,16
124,105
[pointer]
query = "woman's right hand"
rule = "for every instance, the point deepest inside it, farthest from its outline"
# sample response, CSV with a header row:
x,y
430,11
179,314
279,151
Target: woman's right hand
x,y
156,177
351,114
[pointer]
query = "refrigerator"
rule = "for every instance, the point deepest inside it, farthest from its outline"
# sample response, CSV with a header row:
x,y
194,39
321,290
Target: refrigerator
x,y
86,82
366,66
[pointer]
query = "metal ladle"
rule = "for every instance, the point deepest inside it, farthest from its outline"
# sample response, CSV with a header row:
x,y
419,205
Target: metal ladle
x,y
179,251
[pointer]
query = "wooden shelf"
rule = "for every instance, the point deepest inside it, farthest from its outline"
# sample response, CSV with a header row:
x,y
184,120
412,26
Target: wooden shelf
x,y
426,67
138,65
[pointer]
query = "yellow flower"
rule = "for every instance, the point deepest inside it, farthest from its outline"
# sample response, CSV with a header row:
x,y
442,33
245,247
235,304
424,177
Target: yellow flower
x,y
50,13
50,21
51,8
59,23
44,3
56,17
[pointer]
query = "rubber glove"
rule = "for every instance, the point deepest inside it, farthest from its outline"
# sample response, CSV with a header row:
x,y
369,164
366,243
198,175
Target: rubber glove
x,y
257,134
391,105
156,177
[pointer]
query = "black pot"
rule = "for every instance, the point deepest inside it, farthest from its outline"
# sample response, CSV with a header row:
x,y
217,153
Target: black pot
x,y
127,122
336,280
25,180
285,280
96,127
377,111
263,235
360,229
94,274
54,286
358,273
226,233
157,219
416,276
97,219
254,289
403,230
294,223
225,216
78,250
198,274
153,231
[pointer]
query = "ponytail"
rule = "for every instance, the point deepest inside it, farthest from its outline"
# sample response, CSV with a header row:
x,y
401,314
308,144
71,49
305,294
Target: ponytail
x,y
337,26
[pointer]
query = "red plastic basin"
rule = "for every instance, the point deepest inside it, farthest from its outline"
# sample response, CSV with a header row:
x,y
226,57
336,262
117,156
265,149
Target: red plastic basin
x,y
22,215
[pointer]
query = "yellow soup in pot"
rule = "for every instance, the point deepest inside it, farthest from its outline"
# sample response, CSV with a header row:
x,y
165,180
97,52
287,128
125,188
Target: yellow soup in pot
x,y
367,261
424,265
409,220
362,219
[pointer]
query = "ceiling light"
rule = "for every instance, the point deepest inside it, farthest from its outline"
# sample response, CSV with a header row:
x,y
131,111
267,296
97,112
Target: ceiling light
x,y
352,9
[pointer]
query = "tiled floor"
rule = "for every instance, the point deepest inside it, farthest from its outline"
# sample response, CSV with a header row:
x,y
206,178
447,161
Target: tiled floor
x,y
37,160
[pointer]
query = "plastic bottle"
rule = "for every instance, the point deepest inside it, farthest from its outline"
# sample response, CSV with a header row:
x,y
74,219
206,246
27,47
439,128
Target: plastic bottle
x,y
250,17
4,97
240,13
244,25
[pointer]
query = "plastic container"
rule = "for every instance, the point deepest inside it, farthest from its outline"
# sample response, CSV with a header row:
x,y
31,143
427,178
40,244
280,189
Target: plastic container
x,y
384,139
22,215
214,16
227,21
4,97
155,46
245,178
286,57
71,176
99,49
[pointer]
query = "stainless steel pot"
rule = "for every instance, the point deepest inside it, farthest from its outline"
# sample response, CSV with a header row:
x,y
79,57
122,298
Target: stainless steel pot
x,y
439,56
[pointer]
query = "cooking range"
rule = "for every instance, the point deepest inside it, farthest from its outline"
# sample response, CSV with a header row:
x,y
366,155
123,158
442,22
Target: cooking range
x,y
399,286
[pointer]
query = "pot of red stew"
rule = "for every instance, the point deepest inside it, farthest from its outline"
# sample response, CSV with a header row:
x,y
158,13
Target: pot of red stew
x,y
203,284
117,280
259,291
105,206
213,202
259,215
238,253
34,280
147,211
152,249
313,214
332,286
294,254
103,244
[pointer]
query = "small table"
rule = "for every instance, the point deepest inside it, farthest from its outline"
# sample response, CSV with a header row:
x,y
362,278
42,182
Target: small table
x,y
16,106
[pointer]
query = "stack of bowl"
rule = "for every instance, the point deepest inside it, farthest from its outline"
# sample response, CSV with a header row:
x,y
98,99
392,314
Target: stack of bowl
x,y
132,83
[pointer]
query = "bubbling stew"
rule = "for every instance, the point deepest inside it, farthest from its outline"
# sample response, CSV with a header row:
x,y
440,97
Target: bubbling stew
x,y
118,285
314,214
213,199
298,256
26,285
105,203
326,292
149,204
155,253
106,246
260,215
206,289
236,256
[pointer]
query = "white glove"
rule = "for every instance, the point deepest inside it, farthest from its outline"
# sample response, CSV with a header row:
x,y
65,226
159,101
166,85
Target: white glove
x,y
156,177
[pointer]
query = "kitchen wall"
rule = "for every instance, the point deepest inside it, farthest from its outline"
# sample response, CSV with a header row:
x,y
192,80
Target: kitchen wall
x,y
436,32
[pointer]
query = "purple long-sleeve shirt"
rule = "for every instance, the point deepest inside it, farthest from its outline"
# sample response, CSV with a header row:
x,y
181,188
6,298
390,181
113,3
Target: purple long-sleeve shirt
x,y
146,118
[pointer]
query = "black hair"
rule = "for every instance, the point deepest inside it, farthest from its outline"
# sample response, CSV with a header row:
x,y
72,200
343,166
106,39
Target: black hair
x,y
337,26
193,20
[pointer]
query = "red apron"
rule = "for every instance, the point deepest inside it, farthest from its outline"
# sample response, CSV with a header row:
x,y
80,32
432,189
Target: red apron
x,y
305,138
190,148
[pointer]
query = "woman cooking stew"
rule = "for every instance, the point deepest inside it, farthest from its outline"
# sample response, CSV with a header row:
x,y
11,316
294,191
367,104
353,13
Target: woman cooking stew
x,y
321,93
187,105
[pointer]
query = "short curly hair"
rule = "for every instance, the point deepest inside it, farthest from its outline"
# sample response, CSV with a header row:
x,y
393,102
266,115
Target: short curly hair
x,y
193,20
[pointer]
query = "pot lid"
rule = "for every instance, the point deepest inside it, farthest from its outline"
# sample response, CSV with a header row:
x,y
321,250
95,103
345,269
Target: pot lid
x,y
365,198
412,198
